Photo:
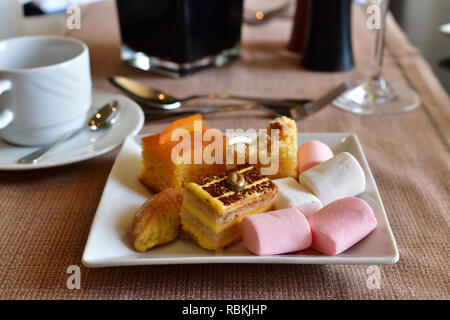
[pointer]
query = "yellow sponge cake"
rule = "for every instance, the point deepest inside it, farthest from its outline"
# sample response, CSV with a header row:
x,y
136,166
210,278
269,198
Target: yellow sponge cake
x,y
161,172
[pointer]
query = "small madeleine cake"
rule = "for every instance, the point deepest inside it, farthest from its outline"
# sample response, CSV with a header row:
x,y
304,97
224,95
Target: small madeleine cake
x,y
157,221
160,171
214,206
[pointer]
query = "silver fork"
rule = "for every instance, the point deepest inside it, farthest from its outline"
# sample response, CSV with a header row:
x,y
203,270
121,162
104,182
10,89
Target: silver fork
x,y
302,111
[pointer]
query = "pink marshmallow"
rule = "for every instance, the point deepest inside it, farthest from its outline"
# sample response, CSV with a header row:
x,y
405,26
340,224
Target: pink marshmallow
x,y
340,225
312,153
276,232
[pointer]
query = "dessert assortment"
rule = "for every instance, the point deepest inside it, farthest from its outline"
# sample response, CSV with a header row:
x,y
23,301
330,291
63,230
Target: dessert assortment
x,y
312,195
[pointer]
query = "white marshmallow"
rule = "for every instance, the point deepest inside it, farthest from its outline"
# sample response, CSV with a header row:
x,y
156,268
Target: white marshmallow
x,y
336,178
292,194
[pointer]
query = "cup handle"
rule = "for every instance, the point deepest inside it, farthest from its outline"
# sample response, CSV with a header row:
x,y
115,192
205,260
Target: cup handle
x,y
6,115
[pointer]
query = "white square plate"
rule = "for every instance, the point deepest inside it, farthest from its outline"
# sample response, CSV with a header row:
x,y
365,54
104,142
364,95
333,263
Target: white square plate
x,y
109,242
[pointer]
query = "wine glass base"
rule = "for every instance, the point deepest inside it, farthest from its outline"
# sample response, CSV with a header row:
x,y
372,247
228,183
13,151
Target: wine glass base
x,y
364,98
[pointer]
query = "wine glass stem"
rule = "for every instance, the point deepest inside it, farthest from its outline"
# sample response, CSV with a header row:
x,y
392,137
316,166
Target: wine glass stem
x,y
380,37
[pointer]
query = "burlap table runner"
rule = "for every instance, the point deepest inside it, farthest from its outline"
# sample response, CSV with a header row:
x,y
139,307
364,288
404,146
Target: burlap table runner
x,y
45,215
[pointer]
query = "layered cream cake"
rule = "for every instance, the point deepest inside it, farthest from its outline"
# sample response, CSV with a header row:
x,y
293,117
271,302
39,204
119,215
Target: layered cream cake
x,y
213,207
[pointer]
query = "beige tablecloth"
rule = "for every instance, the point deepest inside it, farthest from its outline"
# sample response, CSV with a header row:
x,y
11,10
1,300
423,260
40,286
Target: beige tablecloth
x,y
45,215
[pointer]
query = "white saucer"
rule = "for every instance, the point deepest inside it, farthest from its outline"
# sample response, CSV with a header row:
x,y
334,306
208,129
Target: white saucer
x,y
86,144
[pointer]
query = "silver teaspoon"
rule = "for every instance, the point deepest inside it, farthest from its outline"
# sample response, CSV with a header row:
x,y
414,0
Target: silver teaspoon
x,y
103,118
161,100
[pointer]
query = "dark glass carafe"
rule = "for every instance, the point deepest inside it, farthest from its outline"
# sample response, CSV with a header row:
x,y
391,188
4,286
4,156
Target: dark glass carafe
x,y
177,34
329,42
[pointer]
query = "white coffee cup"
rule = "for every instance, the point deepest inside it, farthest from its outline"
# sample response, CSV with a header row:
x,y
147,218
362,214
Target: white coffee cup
x,y
11,19
45,88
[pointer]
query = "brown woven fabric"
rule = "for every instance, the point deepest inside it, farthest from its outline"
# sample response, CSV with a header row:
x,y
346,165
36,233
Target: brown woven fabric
x,y
45,215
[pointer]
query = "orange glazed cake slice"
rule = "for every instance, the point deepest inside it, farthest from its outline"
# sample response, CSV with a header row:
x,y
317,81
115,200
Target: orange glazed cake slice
x,y
161,172
213,207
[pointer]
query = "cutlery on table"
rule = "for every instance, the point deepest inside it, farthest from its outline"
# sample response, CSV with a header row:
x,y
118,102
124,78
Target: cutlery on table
x,y
260,17
103,118
307,108
161,100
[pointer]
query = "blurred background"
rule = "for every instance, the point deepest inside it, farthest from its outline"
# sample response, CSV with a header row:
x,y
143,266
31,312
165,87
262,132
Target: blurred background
x,y
421,20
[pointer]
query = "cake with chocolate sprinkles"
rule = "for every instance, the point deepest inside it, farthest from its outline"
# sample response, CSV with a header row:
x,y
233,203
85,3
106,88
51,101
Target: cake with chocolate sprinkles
x,y
213,207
